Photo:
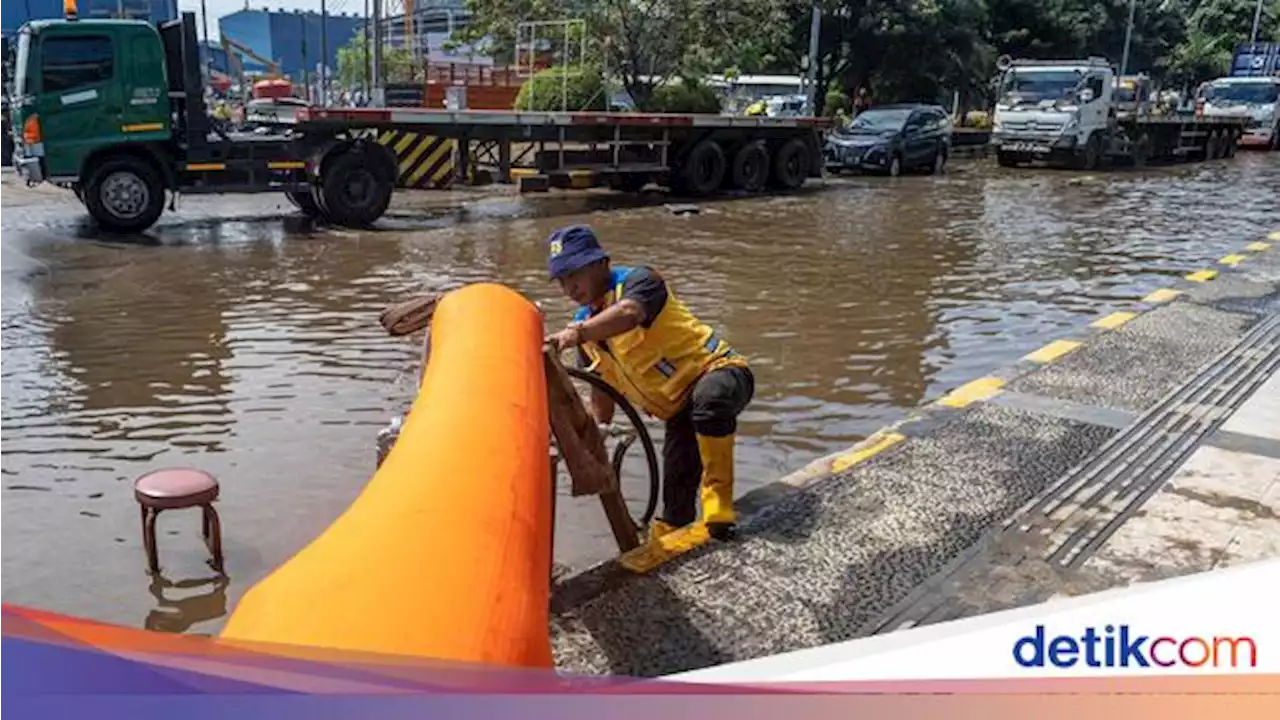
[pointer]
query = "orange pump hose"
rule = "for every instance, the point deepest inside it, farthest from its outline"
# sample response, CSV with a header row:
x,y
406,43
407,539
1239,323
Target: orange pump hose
x,y
446,552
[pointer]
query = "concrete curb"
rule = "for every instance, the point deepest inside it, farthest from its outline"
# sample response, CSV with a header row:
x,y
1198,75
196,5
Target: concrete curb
x,y
591,582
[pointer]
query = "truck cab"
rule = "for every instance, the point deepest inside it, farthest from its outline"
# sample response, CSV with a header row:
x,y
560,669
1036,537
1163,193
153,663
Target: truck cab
x,y
81,88
1254,99
1050,110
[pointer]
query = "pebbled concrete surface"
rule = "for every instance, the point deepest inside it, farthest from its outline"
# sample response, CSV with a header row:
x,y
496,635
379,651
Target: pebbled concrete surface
x,y
1134,366
823,563
908,536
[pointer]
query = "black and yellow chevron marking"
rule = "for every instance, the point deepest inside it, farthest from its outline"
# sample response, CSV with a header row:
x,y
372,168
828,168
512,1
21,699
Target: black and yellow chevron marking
x,y
426,161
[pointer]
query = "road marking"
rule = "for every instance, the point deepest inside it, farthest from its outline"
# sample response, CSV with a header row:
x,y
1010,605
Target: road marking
x,y
286,165
1258,247
1274,236
967,394
1052,351
1202,275
886,440
1114,320
206,166
142,127
1162,295
1232,260
664,549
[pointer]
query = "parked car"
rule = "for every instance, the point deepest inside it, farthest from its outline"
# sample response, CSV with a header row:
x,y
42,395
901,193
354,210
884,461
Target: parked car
x,y
891,140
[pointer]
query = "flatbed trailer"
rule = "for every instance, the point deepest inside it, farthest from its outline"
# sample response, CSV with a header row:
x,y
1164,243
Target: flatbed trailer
x,y
123,142
1135,140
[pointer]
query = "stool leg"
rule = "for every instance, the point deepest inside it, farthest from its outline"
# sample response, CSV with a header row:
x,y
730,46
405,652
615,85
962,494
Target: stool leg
x,y
149,538
213,535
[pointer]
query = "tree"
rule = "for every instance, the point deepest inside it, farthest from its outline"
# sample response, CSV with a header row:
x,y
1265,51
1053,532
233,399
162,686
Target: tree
x,y
644,43
354,58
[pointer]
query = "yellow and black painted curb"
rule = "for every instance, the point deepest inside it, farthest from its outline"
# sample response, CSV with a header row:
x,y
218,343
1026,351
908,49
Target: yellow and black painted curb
x,y
559,179
426,162
656,553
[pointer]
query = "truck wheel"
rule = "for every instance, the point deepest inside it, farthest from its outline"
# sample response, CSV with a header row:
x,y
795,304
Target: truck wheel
x,y
703,169
790,165
352,192
304,201
1211,145
125,194
751,167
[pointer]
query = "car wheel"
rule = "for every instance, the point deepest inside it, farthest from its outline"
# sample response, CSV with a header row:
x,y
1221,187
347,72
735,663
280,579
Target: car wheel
x,y
895,166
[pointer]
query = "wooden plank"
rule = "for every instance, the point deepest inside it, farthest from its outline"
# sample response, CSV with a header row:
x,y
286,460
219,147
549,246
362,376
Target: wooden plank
x,y
582,450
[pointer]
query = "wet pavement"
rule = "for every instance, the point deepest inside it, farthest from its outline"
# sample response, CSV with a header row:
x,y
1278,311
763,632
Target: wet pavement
x,y
238,338
1059,483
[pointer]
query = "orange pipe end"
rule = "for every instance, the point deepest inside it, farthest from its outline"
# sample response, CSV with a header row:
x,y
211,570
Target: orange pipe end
x,y
446,552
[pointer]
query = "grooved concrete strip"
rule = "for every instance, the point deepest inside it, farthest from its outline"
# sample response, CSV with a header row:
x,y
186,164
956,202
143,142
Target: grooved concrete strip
x,y
823,563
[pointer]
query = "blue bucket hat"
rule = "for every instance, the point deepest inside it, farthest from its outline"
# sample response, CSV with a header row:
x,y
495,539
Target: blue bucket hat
x,y
572,248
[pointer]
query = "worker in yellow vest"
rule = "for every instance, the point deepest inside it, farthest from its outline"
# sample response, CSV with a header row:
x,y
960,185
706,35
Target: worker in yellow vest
x,y
634,332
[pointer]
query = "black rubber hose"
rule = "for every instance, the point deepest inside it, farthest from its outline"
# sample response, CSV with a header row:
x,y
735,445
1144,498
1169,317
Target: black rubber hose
x,y
651,455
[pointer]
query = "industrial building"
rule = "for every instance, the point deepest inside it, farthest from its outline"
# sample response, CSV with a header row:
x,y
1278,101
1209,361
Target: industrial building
x,y
431,23
291,38
17,12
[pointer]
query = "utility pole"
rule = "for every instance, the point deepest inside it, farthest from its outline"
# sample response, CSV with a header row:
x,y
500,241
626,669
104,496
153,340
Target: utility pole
x,y
324,55
1253,36
815,28
205,53
379,94
367,42
1128,34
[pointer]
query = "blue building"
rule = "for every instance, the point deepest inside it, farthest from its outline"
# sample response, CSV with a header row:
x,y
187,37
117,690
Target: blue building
x,y
17,12
290,38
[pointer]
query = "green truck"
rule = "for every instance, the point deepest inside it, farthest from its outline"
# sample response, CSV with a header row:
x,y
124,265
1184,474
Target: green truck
x,y
114,110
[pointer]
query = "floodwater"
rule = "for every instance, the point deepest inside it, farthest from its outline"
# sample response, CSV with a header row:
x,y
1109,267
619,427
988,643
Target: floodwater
x,y
239,339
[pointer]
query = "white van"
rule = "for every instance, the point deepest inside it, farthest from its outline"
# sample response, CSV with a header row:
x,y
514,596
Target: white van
x,y
1256,98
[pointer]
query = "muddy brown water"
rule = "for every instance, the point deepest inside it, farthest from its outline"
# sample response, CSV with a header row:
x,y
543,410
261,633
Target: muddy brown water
x,y
239,339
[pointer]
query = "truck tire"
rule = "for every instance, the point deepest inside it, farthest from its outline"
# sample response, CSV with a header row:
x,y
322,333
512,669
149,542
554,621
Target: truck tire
x,y
704,169
352,192
751,167
306,202
1212,146
790,165
125,194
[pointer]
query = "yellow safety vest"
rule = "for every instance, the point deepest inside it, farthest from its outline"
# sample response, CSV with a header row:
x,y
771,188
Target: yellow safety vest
x,y
655,367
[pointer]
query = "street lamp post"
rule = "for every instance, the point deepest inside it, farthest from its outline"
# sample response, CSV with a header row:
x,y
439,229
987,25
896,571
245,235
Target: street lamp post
x,y
1128,35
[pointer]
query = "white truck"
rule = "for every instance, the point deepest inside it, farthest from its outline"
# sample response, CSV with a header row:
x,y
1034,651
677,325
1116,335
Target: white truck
x,y
1256,100
1062,112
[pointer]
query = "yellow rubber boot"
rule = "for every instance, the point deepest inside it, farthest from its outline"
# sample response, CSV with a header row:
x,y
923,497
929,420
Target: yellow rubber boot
x,y
717,485
659,528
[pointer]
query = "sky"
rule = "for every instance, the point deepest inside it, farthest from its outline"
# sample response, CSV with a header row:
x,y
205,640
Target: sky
x,y
218,8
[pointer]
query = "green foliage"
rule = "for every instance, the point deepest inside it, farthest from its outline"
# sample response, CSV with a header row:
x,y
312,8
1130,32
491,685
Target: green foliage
x,y
836,100
687,96
550,89
902,50
397,63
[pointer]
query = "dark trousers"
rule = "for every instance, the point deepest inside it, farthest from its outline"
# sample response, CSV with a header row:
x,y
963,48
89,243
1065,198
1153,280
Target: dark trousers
x,y
712,410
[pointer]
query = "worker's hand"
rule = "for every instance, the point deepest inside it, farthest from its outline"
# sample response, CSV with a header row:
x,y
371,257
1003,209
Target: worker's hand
x,y
570,337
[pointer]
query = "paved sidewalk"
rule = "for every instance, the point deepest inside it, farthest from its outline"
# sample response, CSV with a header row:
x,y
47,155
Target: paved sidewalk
x,y
1142,449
